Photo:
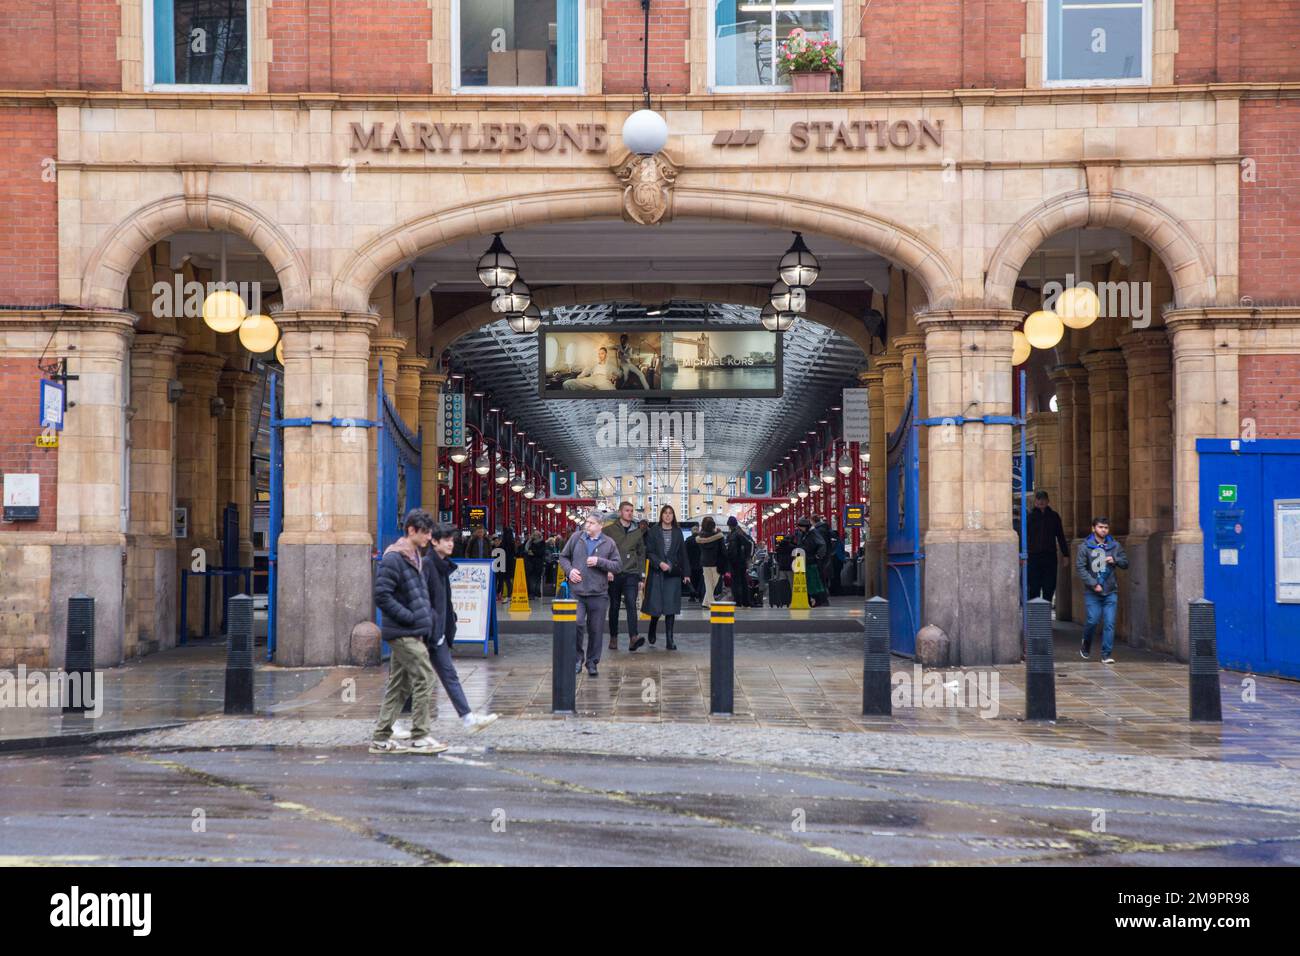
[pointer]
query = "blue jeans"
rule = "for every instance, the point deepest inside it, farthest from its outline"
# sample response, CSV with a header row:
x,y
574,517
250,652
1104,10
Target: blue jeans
x,y
1100,606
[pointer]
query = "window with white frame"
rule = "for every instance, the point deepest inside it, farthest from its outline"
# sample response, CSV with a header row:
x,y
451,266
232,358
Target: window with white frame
x,y
507,45
197,44
1097,42
745,37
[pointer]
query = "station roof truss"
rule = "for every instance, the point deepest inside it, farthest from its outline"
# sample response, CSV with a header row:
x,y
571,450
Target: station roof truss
x,y
738,433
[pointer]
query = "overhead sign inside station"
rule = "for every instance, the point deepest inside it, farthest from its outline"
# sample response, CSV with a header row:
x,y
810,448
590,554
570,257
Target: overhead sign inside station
x,y
857,417
451,420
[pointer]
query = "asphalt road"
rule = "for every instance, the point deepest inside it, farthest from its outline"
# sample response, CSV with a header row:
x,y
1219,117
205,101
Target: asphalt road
x,y
344,806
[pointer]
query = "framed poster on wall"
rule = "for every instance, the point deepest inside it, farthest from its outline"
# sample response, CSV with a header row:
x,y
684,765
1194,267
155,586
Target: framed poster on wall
x,y
1286,545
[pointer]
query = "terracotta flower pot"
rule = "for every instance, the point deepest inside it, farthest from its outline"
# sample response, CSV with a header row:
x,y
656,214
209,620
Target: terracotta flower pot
x,y
812,82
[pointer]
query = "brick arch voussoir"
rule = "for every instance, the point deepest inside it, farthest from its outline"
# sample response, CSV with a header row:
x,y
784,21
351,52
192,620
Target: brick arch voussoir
x,y
104,280
1189,266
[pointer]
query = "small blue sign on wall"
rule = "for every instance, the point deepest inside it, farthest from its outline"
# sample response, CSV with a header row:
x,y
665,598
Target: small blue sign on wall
x,y
51,405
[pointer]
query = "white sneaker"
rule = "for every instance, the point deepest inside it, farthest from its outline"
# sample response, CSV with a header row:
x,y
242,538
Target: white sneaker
x,y
475,722
425,745
402,728
1108,659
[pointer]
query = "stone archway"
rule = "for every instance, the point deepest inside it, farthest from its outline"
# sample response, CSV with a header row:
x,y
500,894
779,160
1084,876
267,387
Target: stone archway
x,y
106,273
404,242
1190,268
546,297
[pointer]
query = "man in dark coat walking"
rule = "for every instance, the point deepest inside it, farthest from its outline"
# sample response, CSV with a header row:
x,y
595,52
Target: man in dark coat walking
x,y
1045,535
402,596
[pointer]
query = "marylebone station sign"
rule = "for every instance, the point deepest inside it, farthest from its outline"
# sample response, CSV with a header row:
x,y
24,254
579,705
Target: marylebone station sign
x,y
479,137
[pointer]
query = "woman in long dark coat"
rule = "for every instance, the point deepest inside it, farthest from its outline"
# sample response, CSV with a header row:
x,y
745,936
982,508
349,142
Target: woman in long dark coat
x,y
665,552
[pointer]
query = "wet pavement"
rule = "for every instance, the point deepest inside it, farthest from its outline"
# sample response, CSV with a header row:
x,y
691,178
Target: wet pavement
x,y
332,806
808,681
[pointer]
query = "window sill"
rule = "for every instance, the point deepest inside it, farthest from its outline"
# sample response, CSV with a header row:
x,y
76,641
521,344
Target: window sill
x,y
198,88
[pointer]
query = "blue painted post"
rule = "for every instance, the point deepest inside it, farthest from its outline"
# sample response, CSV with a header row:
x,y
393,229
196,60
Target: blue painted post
x,y
273,520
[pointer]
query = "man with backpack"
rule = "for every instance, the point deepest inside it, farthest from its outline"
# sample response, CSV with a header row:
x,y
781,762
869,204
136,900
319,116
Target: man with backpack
x,y
740,548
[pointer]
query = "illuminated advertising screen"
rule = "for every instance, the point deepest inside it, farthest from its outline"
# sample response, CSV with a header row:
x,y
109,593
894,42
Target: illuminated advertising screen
x,y
658,362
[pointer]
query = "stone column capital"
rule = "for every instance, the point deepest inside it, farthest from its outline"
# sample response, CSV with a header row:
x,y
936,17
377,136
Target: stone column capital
x,y
161,344
409,363
239,379
1108,362
873,379
202,366
71,320
912,342
1148,346
887,362
312,320
432,380
963,319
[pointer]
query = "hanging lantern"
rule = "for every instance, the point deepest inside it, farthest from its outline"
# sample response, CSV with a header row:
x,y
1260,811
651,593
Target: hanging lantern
x,y
845,463
815,485
459,455
502,475
1020,348
258,334
799,267
526,321
786,299
530,492
279,350
803,489
483,464
828,474
1044,329
497,268
517,484
224,310
775,321
1078,307
514,299
794,497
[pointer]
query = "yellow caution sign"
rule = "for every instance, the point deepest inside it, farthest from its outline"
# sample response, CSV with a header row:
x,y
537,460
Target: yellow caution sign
x,y
640,593
519,591
559,578
799,591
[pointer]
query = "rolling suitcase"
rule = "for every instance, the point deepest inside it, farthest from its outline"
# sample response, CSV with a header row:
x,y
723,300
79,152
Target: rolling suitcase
x,y
778,593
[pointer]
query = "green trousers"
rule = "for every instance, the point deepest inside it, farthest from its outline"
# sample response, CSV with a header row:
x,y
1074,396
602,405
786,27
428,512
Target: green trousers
x,y
410,674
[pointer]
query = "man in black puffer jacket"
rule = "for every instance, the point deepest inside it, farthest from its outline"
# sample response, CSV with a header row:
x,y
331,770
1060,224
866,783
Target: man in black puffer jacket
x,y
402,596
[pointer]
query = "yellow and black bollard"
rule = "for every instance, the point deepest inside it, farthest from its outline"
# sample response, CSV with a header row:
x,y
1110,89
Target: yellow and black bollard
x,y
722,658
564,651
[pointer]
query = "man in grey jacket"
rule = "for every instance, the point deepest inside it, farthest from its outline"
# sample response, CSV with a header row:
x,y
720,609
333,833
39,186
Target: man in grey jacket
x,y
589,560
1098,558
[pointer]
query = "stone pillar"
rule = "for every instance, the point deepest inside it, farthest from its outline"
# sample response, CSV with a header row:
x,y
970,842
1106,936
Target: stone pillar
x,y
1206,346
892,392
325,565
874,383
239,390
1151,498
912,347
1044,444
154,587
1108,395
1063,497
407,389
388,350
196,475
1078,523
972,565
431,384
85,548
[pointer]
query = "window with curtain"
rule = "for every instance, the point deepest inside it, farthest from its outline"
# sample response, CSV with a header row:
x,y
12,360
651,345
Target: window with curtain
x,y
747,36
1097,41
517,43
200,42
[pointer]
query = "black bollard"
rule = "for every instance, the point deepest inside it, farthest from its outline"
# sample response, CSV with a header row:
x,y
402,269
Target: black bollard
x,y
1203,662
79,658
875,660
564,654
239,656
722,658
1040,668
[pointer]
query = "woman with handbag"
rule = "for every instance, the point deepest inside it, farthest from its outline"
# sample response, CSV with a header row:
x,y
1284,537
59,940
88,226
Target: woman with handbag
x,y
666,555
